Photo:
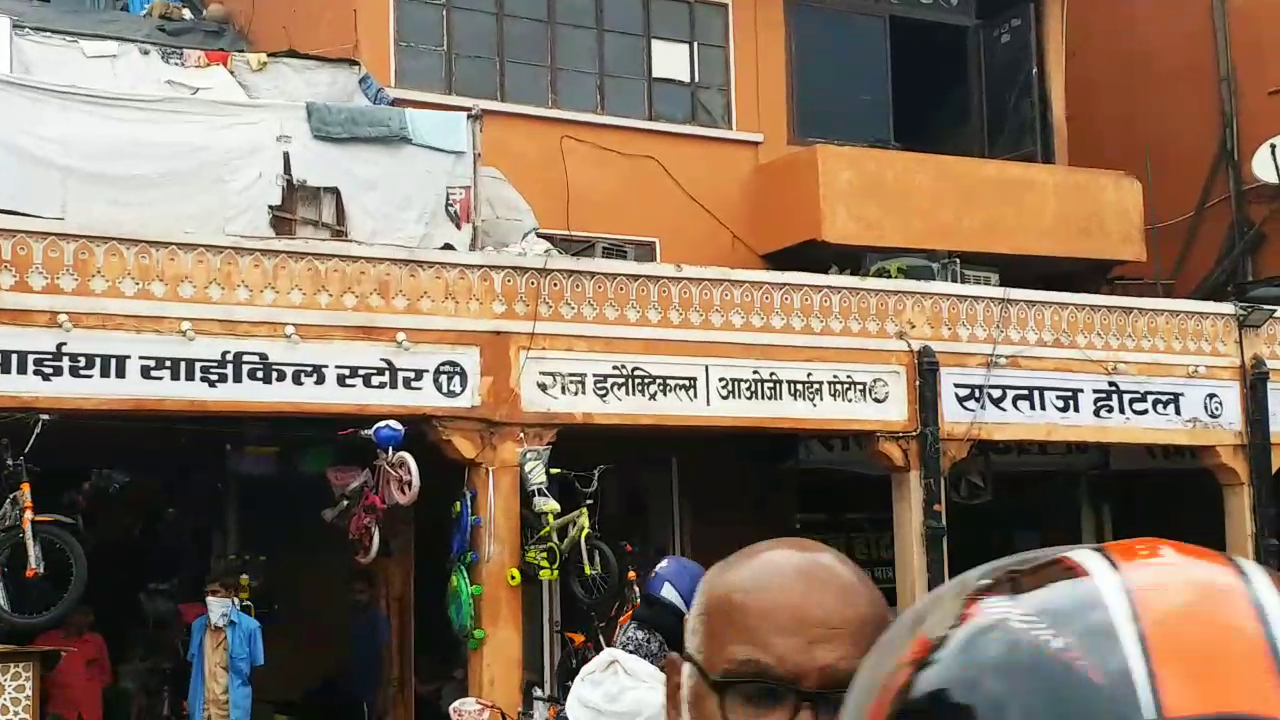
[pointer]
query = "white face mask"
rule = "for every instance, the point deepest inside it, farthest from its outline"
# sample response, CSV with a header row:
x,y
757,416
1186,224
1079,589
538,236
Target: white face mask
x,y
219,610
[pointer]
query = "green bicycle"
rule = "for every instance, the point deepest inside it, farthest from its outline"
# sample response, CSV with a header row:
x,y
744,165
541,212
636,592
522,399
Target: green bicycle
x,y
593,577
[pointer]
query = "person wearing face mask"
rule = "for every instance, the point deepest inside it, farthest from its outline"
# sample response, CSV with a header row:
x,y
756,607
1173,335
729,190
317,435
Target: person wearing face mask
x,y
226,645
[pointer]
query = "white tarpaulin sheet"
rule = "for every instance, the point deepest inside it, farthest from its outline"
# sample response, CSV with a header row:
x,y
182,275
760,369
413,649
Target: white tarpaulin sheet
x,y
169,166
117,67
124,67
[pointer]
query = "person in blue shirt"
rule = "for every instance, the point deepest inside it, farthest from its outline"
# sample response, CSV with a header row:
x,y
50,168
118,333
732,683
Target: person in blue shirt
x,y
370,638
226,645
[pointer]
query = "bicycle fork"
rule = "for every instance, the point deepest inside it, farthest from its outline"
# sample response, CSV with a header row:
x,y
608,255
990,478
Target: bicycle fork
x,y
586,559
35,562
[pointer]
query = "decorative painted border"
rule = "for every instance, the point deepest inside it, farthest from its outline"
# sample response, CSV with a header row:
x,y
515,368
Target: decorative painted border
x,y
122,273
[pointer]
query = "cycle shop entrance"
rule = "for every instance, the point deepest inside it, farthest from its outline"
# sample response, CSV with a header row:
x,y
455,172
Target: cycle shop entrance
x,y
192,453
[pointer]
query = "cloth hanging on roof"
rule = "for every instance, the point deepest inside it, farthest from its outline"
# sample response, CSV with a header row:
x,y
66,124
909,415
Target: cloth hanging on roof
x,y
439,130
377,94
348,121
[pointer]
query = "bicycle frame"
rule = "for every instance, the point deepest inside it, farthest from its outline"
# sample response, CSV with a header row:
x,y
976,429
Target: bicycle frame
x,y
578,523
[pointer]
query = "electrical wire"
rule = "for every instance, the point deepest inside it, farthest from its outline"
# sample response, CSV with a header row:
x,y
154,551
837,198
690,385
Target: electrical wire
x,y
1211,203
670,175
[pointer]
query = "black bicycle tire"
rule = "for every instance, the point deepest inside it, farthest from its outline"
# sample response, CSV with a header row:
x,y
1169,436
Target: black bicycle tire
x,y
567,669
609,568
79,581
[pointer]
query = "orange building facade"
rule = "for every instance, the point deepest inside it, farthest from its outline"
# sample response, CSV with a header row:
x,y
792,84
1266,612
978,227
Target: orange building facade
x,y
734,163
1144,95
729,197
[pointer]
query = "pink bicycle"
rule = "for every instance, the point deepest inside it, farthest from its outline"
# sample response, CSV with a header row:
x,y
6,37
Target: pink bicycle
x,y
364,495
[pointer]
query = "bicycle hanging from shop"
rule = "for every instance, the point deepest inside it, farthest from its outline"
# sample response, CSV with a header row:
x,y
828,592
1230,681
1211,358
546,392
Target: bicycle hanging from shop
x,y
364,495
32,597
462,593
593,567
580,648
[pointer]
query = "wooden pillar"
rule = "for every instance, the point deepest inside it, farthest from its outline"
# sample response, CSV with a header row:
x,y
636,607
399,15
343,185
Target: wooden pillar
x,y
495,671
1230,466
899,455
395,580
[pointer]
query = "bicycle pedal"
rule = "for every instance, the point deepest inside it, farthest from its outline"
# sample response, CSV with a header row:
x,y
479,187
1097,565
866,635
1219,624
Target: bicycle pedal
x,y
545,574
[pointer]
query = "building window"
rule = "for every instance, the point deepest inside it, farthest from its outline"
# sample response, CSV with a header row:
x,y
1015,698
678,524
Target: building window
x,y
664,60
956,78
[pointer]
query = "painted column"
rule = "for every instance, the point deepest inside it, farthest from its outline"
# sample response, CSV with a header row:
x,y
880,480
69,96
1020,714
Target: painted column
x,y
1258,436
495,671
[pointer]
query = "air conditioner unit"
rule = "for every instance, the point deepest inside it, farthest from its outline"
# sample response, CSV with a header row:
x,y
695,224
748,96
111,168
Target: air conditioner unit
x,y
916,267
606,250
954,271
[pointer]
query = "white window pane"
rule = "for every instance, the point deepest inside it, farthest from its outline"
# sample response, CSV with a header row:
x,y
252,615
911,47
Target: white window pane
x,y
671,60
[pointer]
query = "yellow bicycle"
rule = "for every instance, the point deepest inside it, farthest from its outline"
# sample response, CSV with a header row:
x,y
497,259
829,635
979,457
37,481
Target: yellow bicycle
x,y
550,539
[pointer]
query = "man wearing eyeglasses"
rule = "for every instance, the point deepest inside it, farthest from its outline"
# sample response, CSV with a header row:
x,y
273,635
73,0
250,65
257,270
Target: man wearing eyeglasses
x,y
775,633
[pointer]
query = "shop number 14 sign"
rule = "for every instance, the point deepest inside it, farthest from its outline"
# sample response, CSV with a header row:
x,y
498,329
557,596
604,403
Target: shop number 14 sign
x,y
98,364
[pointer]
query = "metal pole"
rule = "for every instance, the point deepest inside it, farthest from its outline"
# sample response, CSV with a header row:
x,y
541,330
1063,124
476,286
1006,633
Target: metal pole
x,y
1257,405
475,120
931,477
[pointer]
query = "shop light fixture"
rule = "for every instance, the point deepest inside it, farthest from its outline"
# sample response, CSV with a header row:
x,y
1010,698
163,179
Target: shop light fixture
x,y
1116,368
1196,370
187,330
402,341
64,322
291,332
1253,317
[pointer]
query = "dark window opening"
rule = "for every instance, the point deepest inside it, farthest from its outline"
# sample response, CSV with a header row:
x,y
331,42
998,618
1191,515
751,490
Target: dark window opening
x,y
932,87
960,82
311,211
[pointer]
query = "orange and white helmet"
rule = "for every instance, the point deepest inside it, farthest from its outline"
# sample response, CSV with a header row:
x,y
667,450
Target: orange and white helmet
x,y
1139,629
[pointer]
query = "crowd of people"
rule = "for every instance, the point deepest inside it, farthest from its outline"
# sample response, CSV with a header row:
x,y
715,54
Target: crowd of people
x,y
791,629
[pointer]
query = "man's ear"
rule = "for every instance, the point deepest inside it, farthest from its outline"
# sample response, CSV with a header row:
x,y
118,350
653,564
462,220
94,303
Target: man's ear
x,y
673,666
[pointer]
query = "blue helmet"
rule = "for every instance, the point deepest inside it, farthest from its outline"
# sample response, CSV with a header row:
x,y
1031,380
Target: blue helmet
x,y
674,580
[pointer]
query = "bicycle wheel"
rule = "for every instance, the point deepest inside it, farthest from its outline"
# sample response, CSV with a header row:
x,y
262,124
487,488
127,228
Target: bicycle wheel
x,y
461,603
568,667
367,543
32,604
400,479
598,586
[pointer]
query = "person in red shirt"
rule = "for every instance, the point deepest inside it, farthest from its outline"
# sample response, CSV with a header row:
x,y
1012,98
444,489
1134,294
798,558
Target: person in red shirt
x,y
75,686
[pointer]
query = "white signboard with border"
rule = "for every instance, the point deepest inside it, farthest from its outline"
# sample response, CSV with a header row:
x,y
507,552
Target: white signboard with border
x,y
571,382
1273,406
102,364
1028,397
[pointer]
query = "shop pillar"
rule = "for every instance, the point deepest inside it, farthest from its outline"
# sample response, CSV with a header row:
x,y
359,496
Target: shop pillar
x,y
919,512
1230,467
491,452
1261,465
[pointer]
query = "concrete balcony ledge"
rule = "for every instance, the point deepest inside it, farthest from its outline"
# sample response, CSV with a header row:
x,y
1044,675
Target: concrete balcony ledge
x,y
871,198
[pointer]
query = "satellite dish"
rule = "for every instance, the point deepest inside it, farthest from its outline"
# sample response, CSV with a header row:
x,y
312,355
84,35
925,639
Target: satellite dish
x,y
1266,162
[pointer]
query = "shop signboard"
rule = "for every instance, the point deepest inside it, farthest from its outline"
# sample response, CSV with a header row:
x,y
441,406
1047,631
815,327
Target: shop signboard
x,y
1027,397
1273,406
96,364
871,550
570,382
1155,457
854,453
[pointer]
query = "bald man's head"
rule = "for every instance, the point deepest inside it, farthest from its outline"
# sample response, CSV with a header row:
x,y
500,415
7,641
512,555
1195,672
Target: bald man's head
x,y
790,611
